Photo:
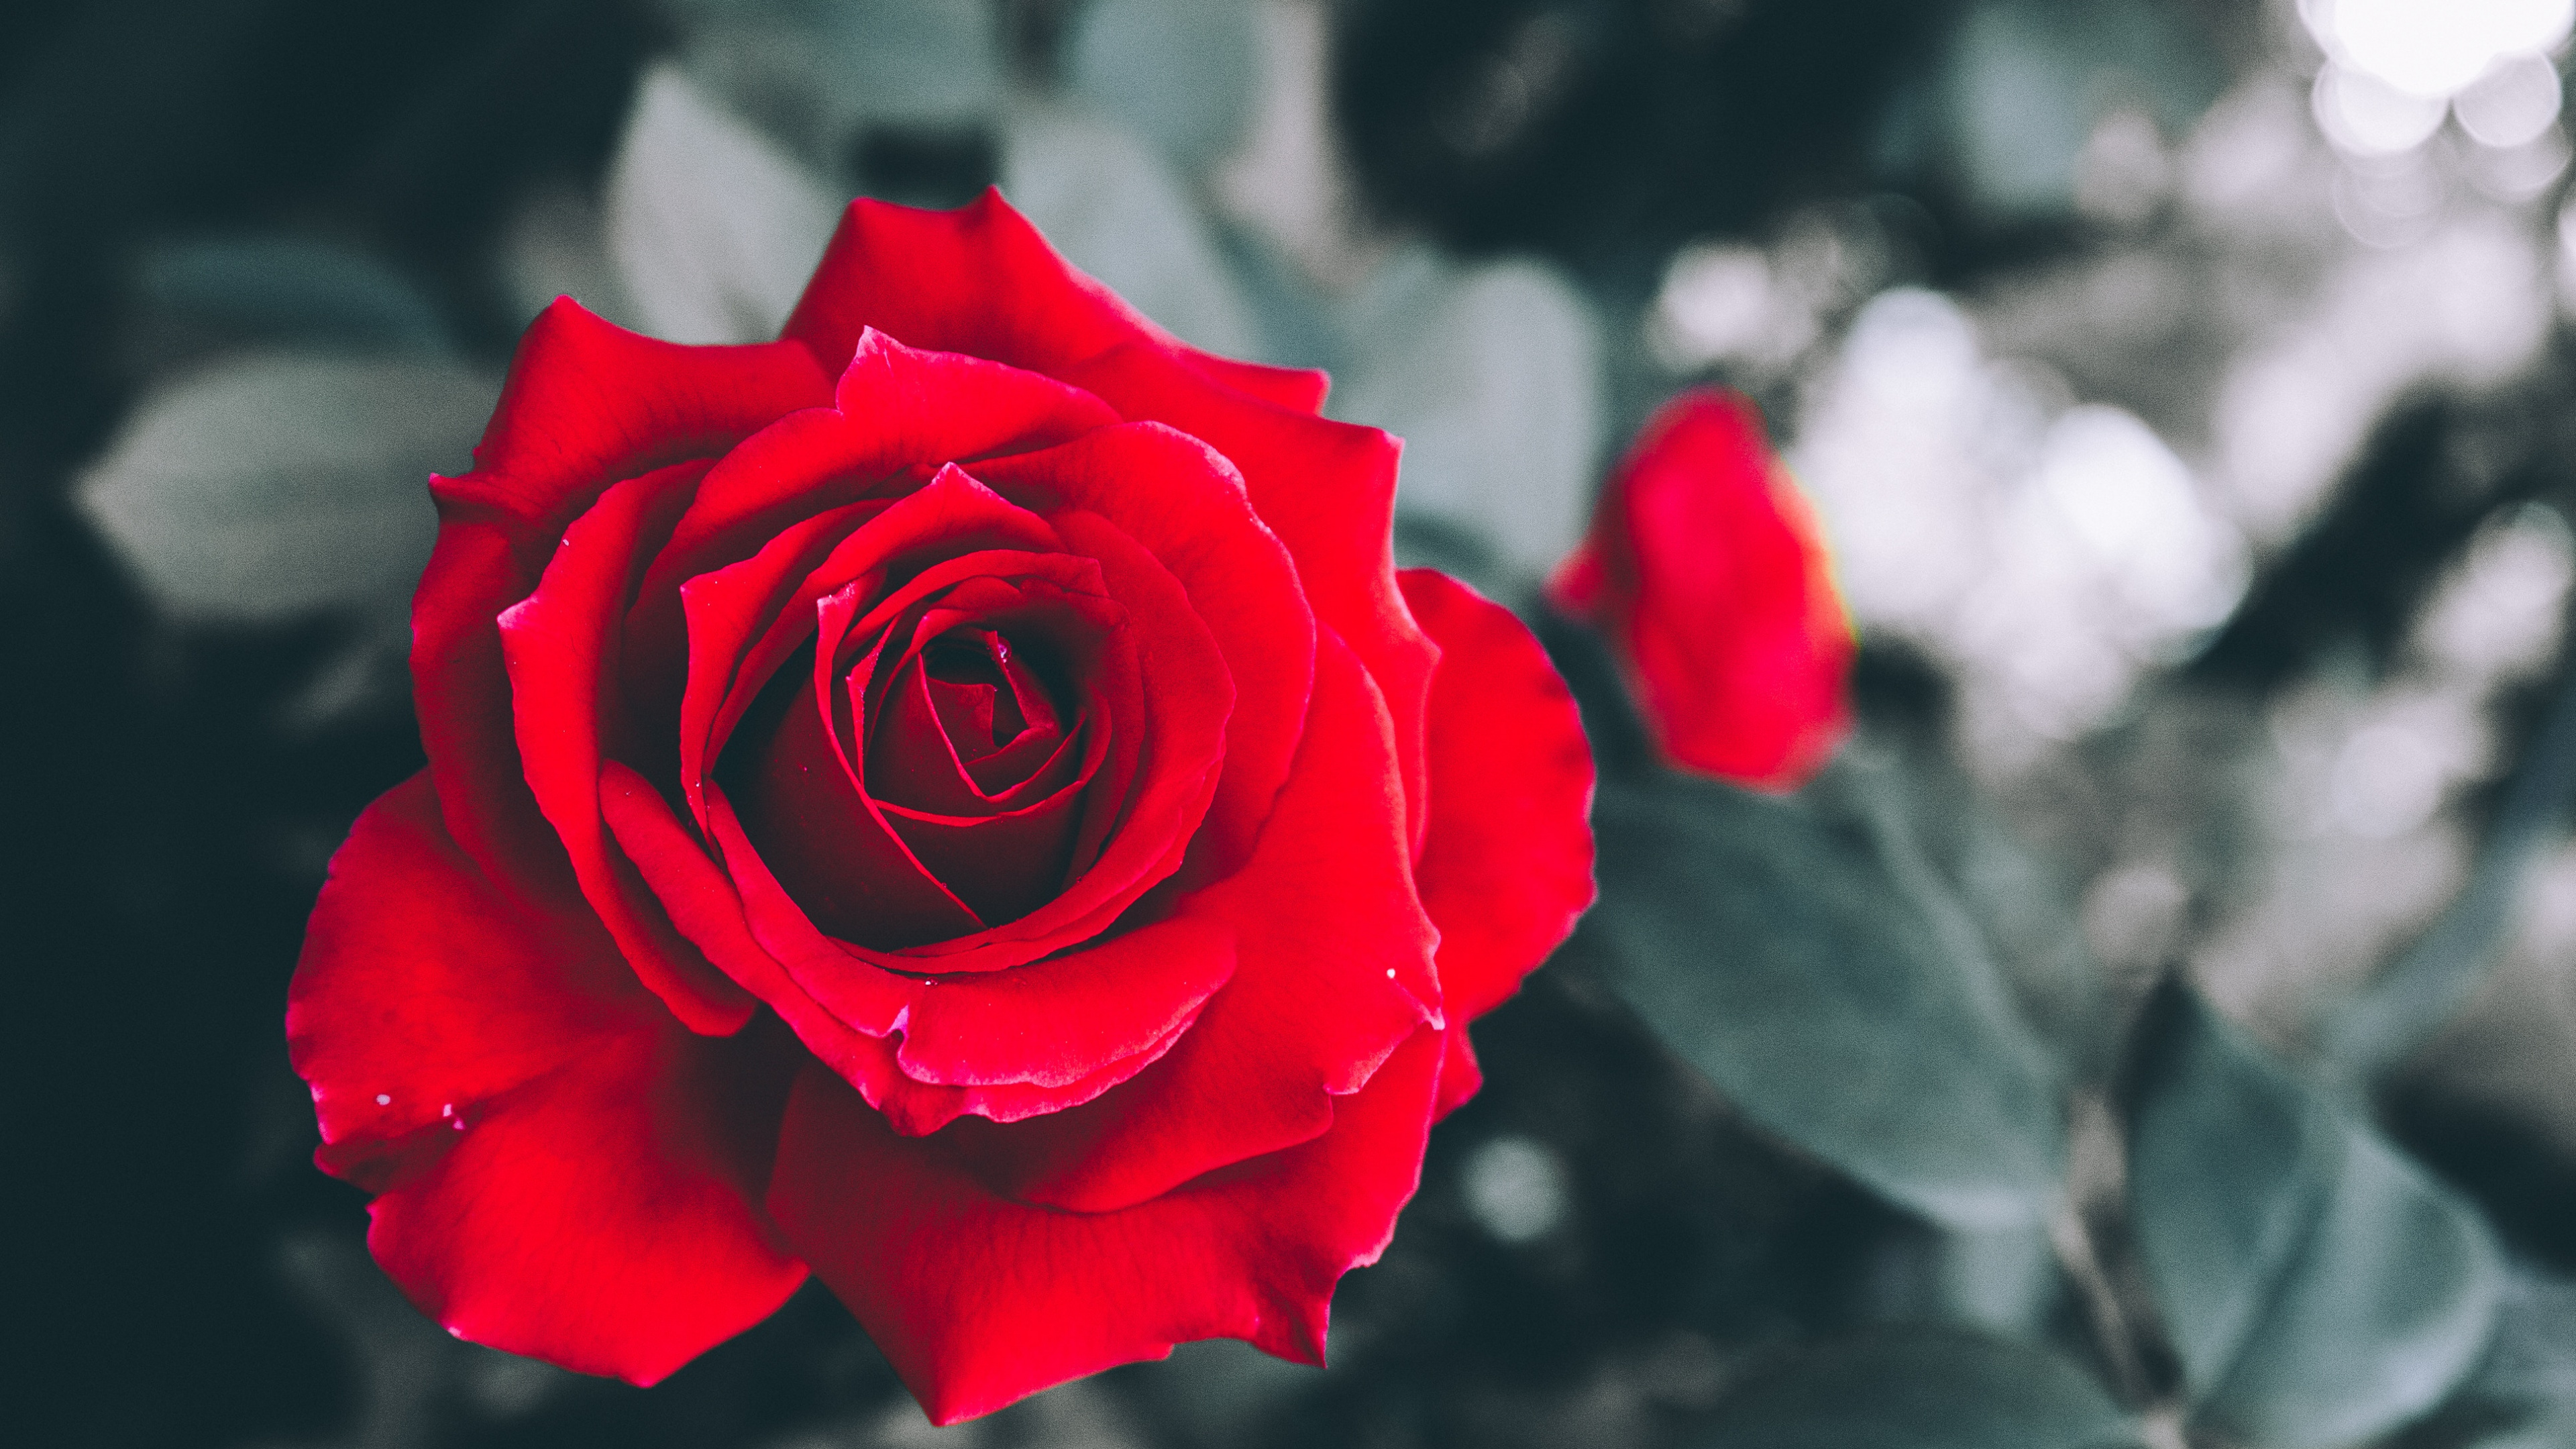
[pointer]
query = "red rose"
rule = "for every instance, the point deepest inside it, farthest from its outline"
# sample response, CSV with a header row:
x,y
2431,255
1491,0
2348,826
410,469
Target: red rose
x,y
1707,573
955,799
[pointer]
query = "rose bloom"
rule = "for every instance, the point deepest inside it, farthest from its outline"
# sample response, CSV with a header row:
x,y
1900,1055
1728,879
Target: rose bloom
x,y
956,801
1706,573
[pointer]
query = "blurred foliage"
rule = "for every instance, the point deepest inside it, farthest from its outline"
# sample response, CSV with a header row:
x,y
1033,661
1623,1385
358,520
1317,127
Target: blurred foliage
x,y
2157,1027
1833,951
2317,1288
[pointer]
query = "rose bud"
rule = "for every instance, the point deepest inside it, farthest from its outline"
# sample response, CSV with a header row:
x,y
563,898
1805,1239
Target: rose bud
x,y
1706,573
955,801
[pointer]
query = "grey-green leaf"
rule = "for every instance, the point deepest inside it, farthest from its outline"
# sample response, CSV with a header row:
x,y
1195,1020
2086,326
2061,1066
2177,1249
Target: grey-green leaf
x,y
1492,376
2318,1287
272,485
1183,74
1921,1390
1778,956
818,74
1105,200
713,226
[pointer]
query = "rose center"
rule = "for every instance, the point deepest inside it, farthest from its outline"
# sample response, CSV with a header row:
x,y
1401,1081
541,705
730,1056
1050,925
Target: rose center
x,y
982,693
969,702
903,795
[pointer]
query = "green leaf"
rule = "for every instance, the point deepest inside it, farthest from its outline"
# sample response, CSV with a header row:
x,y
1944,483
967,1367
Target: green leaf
x,y
2318,1287
269,486
1921,1390
1783,959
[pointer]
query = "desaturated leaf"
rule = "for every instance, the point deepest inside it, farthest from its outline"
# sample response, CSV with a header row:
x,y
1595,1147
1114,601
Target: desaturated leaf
x,y
1179,73
2003,1279
1781,958
1117,212
817,74
1921,1390
714,228
2319,1288
555,244
273,485
2523,1395
1491,375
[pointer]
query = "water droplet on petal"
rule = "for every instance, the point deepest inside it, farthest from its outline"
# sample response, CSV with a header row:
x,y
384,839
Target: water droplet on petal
x,y
384,1100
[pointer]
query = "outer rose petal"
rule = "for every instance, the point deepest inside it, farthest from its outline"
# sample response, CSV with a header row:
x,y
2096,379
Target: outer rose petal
x,y
1297,389
587,404
1707,571
977,280
1327,489
894,408
1507,864
564,1171
979,1301
558,645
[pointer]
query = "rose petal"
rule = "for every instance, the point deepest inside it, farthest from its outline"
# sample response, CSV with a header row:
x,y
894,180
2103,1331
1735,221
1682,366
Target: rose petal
x,y
1165,791
1007,1045
930,277
1506,866
978,1301
746,618
587,404
914,762
743,623
394,957
1298,389
598,1218
978,280
707,906
894,409
1333,970
1004,865
1056,1022
831,848
1198,525
565,1171
556,645
1326,489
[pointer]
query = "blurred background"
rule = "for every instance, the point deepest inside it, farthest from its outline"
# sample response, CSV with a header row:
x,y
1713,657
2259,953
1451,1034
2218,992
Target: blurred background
x,y
2184,387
